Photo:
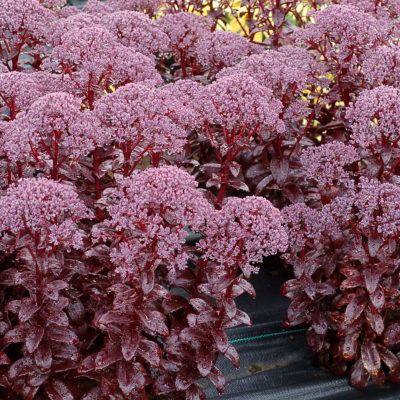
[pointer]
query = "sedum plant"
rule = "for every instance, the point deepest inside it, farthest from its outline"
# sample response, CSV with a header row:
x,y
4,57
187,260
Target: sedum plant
x,y
128,128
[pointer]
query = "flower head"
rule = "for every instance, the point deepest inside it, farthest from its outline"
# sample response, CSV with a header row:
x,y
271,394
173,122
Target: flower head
x,y
43,206
382,66
141,114
243,232
94,59
238,100
222,49
53,118
18,90
379,207
137,30
325,163
375,117
184,29
153,210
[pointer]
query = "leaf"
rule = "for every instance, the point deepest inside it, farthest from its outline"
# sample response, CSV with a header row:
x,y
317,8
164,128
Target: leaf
x,y
150,352
374,319
255,171
370,357
217,379
293,193
315,341
319,322
62,334
153,321
33,338
372,275
239,185
4,360
147,280
354,309
108,356
232,355
195,393
247,286
279,169
389,358
290,288
204,360
199,304
378,298
185,378
359,376
129,343
16,335
391,336
20,368
350,345
234,168
57,390
130,377
93,394
374,244
221,340
43,357
263,184
52,288
230,307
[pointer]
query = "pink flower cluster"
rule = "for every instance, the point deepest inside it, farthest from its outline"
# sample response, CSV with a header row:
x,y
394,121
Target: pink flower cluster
x,y
379,207
243,231
45,207
375,117
325,163
152,211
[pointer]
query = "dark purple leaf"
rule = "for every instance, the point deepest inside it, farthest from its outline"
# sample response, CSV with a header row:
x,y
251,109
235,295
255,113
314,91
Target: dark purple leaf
x,y
19,368
93,394
33,337
372,274
232,355
129,343
185,378
247,286
350,347
130,376
374,319
221,340
4,360
62,334
378,298
150,352
279,169
263,184
108,356
354,309
389,358
52,288
370,358
359,376
147,279
204,360
57,390
391,336
16,335
195,393
43,356
217,379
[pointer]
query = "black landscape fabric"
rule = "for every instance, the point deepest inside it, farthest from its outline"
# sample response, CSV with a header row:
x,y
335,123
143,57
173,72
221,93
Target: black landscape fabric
x,y
281,366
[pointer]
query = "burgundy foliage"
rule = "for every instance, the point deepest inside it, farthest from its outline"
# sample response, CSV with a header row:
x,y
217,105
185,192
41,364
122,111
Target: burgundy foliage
x,y
148,166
